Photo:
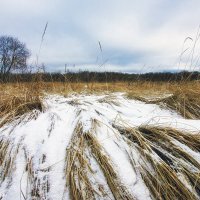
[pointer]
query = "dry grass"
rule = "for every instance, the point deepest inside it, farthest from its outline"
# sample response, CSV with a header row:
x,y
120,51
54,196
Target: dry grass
x,y
193,178
79,172
19,98
37,180
119,191
186,104
190,140
110,99
8,155
163,161
78,168
142,89
16,100
164,183
181,97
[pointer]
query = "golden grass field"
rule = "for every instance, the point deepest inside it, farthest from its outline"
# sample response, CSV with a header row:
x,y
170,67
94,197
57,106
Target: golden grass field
x,y
18,98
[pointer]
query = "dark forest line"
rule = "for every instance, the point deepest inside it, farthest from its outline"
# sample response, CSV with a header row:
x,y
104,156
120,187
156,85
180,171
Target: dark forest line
x,y
86,76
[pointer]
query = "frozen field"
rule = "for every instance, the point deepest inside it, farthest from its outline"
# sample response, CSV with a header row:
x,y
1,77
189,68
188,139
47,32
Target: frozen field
x,y
99,147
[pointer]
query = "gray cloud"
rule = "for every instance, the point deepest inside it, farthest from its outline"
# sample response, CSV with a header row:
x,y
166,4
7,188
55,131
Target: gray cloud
x,y
133,33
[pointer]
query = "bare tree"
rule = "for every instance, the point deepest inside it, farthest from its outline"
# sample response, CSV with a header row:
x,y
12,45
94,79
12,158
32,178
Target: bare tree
x,y
13,55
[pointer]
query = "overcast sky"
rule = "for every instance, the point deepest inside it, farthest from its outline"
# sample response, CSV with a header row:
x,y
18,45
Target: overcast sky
x,y
135,35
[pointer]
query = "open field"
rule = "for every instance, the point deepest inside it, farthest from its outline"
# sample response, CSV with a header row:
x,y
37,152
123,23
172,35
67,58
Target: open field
x,y
99,100
120,140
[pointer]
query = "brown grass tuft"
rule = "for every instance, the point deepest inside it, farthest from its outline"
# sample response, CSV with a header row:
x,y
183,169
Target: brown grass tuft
x,y
8,156
16,101
78,168
187,105
119,191
181,97
163,160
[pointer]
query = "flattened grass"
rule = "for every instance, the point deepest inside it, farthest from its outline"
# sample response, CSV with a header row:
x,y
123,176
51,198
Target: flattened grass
x,y
164,160
119,191
18,100
181,97
78,168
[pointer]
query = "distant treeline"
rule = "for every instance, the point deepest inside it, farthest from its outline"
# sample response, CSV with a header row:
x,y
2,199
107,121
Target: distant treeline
x,y
86,76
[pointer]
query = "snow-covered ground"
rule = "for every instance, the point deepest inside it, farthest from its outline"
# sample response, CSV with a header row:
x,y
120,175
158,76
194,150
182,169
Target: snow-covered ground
x,y
36,157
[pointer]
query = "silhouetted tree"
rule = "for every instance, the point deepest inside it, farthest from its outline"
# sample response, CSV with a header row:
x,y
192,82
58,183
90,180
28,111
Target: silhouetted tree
x,y
13,55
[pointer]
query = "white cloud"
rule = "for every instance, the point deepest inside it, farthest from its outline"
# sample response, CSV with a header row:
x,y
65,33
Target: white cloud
x,y
133,33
